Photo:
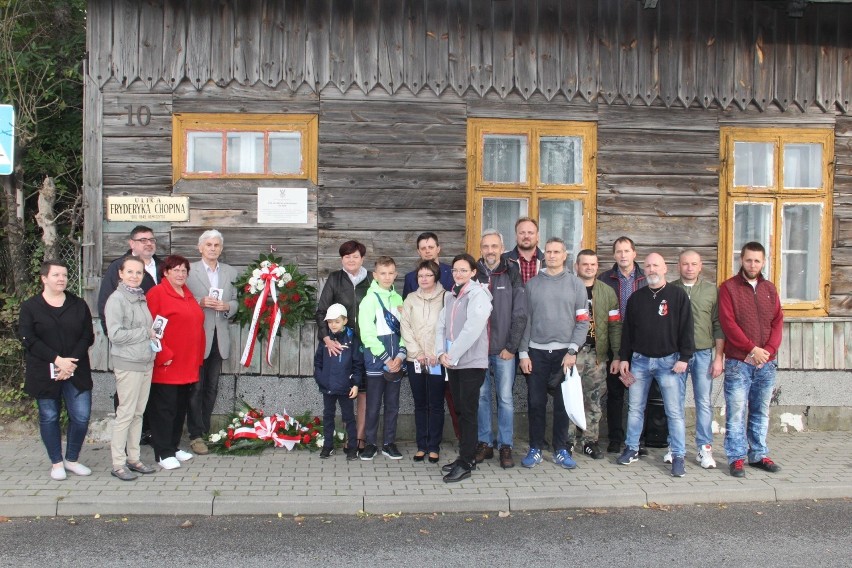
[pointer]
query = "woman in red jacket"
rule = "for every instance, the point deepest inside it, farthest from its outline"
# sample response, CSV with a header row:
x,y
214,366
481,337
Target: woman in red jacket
x,y
177,365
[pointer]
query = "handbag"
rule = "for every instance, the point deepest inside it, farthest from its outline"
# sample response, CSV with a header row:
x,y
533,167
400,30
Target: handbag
x,y
390,319
572,396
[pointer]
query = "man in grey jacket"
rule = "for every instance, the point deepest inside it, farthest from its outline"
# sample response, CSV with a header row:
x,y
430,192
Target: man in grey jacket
x,y
505,327
557,325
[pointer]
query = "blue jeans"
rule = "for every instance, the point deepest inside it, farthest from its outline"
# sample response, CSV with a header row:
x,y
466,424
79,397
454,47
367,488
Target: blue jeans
x,y
672,387
428,394
79,406
702,386
502,373
747,389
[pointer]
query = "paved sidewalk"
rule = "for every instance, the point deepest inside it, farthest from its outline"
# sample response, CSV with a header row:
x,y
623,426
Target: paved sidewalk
x,y
816,465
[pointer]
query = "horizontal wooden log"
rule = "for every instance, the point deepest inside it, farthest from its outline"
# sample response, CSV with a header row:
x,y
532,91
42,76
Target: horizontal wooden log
x,y
135,190
657,118
116,125
557,109
148,150
392,112
690,184
159,174
841,280
387,133
393,178
237,91
649,232
659,205
393,156
408,198
654,163
116,103
658,141
235,186
254,106
379,219
116,245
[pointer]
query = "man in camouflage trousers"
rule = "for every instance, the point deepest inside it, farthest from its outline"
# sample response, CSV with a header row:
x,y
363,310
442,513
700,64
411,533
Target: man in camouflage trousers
x,y
604,336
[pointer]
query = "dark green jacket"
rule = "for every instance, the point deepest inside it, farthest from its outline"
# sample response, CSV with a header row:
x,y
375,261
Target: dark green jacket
x,y
703,296
607,321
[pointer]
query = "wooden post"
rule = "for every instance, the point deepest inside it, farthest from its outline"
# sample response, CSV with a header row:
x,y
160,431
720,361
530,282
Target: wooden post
x,y
92,188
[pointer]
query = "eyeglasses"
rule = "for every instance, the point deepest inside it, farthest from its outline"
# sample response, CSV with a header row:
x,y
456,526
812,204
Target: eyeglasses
x,y
144,241
461,270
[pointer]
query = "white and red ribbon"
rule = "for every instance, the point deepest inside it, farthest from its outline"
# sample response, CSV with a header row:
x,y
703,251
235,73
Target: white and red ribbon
x,y
270,280
267,429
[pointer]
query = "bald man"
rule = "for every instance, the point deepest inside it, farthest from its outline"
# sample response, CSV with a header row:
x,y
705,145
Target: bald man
x,y
657,342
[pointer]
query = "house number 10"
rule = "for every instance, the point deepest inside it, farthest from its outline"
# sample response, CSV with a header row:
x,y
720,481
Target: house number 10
x,y
143,115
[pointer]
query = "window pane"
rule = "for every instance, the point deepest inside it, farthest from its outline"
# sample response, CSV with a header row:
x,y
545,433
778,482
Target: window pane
x,y
563,219
504,158
285,152
204,152
752,222
753,164
501,214
561,159
245,152
801,230
803,165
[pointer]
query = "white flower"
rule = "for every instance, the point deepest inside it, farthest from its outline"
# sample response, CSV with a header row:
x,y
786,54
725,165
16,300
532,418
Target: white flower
x,y
339,435
241,414
253,282
286,277
264,264
320,441
256,273
215,438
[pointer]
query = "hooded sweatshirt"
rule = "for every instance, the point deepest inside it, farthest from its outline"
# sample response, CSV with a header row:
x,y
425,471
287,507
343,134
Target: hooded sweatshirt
x,y
464,324
420,312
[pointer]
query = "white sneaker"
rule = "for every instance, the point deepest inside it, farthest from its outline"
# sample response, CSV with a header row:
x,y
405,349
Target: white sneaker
x,y
77,468
705,457
668,457
169,463
58,473
183,456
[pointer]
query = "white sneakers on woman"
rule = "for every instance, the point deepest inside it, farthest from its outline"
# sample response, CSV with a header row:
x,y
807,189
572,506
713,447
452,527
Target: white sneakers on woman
x,y
169,463
183,456
77,468
57,473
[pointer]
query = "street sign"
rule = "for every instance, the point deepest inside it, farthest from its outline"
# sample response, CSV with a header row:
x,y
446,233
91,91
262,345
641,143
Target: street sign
x,y
7,139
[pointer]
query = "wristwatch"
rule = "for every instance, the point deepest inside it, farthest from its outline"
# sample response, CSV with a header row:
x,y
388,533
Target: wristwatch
x,y
572,351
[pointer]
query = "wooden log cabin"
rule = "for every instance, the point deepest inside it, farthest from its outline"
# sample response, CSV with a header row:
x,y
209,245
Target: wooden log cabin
x,y
683,124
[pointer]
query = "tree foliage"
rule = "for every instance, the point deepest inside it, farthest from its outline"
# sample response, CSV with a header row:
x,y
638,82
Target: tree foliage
x,y
42,45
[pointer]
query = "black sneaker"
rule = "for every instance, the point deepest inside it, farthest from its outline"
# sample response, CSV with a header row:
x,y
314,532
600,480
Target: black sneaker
x,y
351,454
390,451
369,452
766,464
614,447
592,450
643,451
326,453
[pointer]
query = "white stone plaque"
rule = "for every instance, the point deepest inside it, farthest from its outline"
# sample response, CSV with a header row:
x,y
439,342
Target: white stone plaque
x,y
282,205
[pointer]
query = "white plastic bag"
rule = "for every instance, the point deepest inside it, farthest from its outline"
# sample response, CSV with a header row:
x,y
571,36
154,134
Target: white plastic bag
x,y
572,396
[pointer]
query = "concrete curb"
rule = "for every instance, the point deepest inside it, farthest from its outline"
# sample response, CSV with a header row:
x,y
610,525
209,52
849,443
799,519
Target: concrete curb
x,y
169,505
379,504
799,491
576,497
287,505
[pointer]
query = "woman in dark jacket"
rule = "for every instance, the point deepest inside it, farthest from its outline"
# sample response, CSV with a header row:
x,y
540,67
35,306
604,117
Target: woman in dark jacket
x,y
346,286
55,328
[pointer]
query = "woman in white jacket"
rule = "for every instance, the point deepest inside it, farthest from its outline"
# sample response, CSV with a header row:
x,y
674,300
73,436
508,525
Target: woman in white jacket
x,y
461,342
132,344
420,313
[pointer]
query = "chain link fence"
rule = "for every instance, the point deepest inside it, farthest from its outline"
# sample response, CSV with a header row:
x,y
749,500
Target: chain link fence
x,y
69,252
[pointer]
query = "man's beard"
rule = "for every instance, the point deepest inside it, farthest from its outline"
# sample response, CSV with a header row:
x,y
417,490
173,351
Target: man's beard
x,y
654,280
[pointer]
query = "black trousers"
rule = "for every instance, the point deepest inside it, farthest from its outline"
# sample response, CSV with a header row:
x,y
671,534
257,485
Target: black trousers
x,y
202,398
167,407
465,385
615,390
347,412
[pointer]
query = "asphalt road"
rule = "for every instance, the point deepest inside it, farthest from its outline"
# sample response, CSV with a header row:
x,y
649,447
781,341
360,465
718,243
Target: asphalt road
x,y
753,535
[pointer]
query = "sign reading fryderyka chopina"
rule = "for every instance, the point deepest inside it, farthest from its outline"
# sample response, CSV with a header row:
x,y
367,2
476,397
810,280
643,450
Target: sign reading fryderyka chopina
x,y
147,208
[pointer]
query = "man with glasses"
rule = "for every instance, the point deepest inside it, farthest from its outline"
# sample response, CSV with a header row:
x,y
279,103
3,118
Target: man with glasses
x,y
143,244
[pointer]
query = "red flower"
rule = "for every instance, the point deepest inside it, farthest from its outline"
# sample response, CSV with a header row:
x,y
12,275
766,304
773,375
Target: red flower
x,y
250,301
227,444
230,433
285,309
247,288
291,284
317,420
306,439
295,297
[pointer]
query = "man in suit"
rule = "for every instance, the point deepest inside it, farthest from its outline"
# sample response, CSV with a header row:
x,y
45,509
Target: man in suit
x,y
204,275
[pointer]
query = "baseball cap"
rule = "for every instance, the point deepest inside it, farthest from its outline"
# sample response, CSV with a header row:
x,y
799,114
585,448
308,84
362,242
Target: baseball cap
x,y
335,311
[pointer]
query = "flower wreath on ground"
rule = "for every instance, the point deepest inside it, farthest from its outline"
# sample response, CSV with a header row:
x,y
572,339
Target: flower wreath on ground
x,y
249,431
270,295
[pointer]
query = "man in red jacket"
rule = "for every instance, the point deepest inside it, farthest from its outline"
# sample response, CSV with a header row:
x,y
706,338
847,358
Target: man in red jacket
x,y
751,318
